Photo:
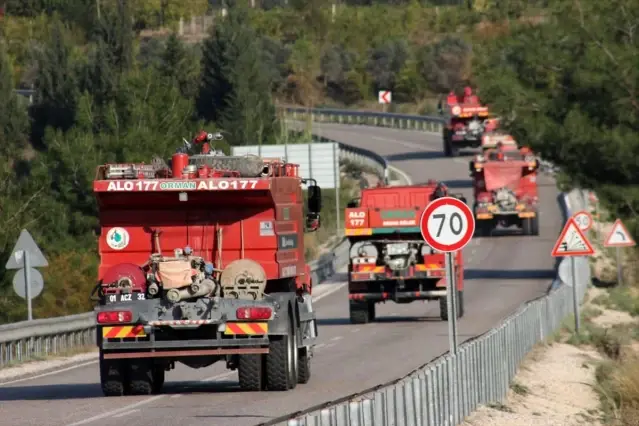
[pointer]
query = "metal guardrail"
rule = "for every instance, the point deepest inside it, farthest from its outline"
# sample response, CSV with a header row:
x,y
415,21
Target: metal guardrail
x,y
448,389
379,119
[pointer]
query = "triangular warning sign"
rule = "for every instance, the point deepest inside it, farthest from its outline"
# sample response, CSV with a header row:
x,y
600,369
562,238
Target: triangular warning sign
x,y
26,243
572,242
619,236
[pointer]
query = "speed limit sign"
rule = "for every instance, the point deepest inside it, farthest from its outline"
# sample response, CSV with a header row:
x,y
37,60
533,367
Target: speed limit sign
x,y
583,220
447,224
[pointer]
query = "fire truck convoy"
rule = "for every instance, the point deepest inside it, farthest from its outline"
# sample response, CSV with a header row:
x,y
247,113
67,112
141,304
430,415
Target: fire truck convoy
x,y
203,261
389,259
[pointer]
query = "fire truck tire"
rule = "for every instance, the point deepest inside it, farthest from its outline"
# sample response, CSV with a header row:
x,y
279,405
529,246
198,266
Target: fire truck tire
x,y
443,306
482,229
158,378
359,312
141,374
304,366
250,372
448,152
534,224
531,226
112,379
371,311
281,361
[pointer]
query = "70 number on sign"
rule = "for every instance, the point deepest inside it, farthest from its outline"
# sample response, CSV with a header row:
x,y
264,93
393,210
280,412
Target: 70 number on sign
x,y
447,224
455,225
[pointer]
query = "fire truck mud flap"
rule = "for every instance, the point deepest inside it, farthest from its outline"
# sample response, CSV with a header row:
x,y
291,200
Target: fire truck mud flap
x,y
303,315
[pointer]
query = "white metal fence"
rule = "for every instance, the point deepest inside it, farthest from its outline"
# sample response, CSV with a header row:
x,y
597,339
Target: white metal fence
x,y
453,386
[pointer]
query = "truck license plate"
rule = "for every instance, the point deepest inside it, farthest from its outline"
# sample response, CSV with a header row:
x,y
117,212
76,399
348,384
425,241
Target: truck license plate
x,y
115,298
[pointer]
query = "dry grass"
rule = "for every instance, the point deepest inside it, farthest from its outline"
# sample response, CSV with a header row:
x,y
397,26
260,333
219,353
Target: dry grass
x,y
618,387
616,330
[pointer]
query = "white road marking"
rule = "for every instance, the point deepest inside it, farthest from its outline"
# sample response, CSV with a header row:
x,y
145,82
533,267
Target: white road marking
x,y
176,396
337,287
336,338
407,178
355,330
126,413
51,373
330,345
406,144
128,408
320,345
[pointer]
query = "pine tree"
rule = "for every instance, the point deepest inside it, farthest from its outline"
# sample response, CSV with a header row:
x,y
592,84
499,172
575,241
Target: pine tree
x,y
56,89
177,64
116,31
235,91
13,116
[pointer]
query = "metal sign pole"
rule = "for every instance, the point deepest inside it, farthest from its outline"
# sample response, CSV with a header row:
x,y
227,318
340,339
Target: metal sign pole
x,y
451,290
619,268
452,303
27,281
575,301
337,182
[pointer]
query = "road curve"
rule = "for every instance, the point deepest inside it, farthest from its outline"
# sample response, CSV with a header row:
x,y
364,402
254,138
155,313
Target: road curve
x,y
501,273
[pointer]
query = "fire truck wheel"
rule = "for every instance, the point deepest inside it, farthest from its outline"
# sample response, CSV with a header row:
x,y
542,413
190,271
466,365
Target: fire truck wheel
x,y
141,374
359,312
443,306
371,311
482,229
111,377
448,152
281,361
304,367
250,372
460,303
531,226
534,225
158,378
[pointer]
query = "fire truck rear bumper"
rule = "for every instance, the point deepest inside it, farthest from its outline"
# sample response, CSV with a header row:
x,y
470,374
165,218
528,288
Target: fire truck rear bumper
x,y
178,348
466,143
489,216
400,295
379,276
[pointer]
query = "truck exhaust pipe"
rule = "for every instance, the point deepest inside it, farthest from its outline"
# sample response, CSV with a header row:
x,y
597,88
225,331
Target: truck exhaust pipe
x,y
194,290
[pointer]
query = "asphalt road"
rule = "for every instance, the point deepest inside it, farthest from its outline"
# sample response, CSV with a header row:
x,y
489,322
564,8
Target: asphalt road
x,y
502,272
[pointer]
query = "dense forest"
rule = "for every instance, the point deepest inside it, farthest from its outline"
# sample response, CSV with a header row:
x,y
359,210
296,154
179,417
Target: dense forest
x,y
114,81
